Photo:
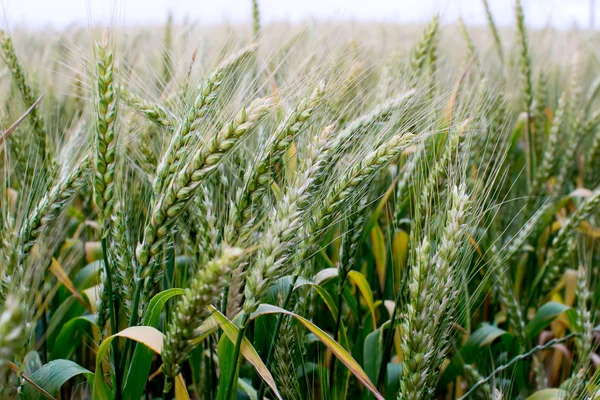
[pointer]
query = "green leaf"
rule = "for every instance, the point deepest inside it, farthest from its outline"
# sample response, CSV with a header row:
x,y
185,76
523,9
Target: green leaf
x,y
331,344
71,334
373,351
518,130
543,317
139,368
52,376
248,389
88,276
479,339
470,351
549,394
392,380
67,310
227,365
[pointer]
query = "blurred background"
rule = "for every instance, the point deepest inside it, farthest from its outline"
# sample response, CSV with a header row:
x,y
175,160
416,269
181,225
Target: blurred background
x,y
561,14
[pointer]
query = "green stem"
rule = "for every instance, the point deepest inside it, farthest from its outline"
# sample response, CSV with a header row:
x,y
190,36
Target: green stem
x,y
210,369
336,332
286,302
133,320
389,337
113,319
236,356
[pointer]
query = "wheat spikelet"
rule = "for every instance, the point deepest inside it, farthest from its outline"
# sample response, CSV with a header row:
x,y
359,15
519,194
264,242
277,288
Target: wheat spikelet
x,y
171,201
105,132
29,97
494,30
51,205
203,291
261,175
561,243
177,150
153,111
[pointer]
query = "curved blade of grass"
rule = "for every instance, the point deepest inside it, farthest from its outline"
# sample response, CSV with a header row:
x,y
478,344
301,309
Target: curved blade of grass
x,y
247,349
363,286
139,368
331,344
543,317
57,270
146,335
70,336
52,376
15,124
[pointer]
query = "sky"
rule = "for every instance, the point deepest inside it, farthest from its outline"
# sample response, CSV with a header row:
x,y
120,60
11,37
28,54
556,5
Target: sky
x,y
562,14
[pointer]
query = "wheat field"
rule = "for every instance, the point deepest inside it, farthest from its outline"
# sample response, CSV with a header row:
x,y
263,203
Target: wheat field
x,y
316,210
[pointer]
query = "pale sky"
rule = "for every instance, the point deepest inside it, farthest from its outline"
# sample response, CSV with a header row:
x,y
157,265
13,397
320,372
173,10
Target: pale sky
x,y
59,13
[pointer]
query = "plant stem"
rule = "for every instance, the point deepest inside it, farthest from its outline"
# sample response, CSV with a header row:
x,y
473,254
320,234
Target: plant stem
x,y
336,332
133,320
210,370
113,320
389,338
286,301
236,355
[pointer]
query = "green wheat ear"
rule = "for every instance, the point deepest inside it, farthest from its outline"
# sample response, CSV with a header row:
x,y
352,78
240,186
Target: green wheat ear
x,y
105,131
29,97
255,19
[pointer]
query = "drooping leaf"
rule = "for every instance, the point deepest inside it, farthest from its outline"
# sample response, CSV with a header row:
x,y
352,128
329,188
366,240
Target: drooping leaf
x,y
71,334
363,286
331,344
52,376
247,350
57,270
543,317
146,335
139,367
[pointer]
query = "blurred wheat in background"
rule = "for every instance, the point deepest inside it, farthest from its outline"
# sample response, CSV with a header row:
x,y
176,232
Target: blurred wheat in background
x,y
300,211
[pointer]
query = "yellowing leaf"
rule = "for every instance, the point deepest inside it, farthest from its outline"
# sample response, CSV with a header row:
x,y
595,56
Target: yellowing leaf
x,y
246,349
549,394
361,283
379,253
93,251
57,270
325,274
181,392
291,159
399,256
149,337
92,294
331,344
570,280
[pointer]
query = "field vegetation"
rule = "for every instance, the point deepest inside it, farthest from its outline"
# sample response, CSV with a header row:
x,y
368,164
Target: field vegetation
x,y
300,211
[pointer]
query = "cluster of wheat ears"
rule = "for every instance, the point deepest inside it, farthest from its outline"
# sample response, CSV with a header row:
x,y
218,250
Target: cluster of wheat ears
x,y
314,210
